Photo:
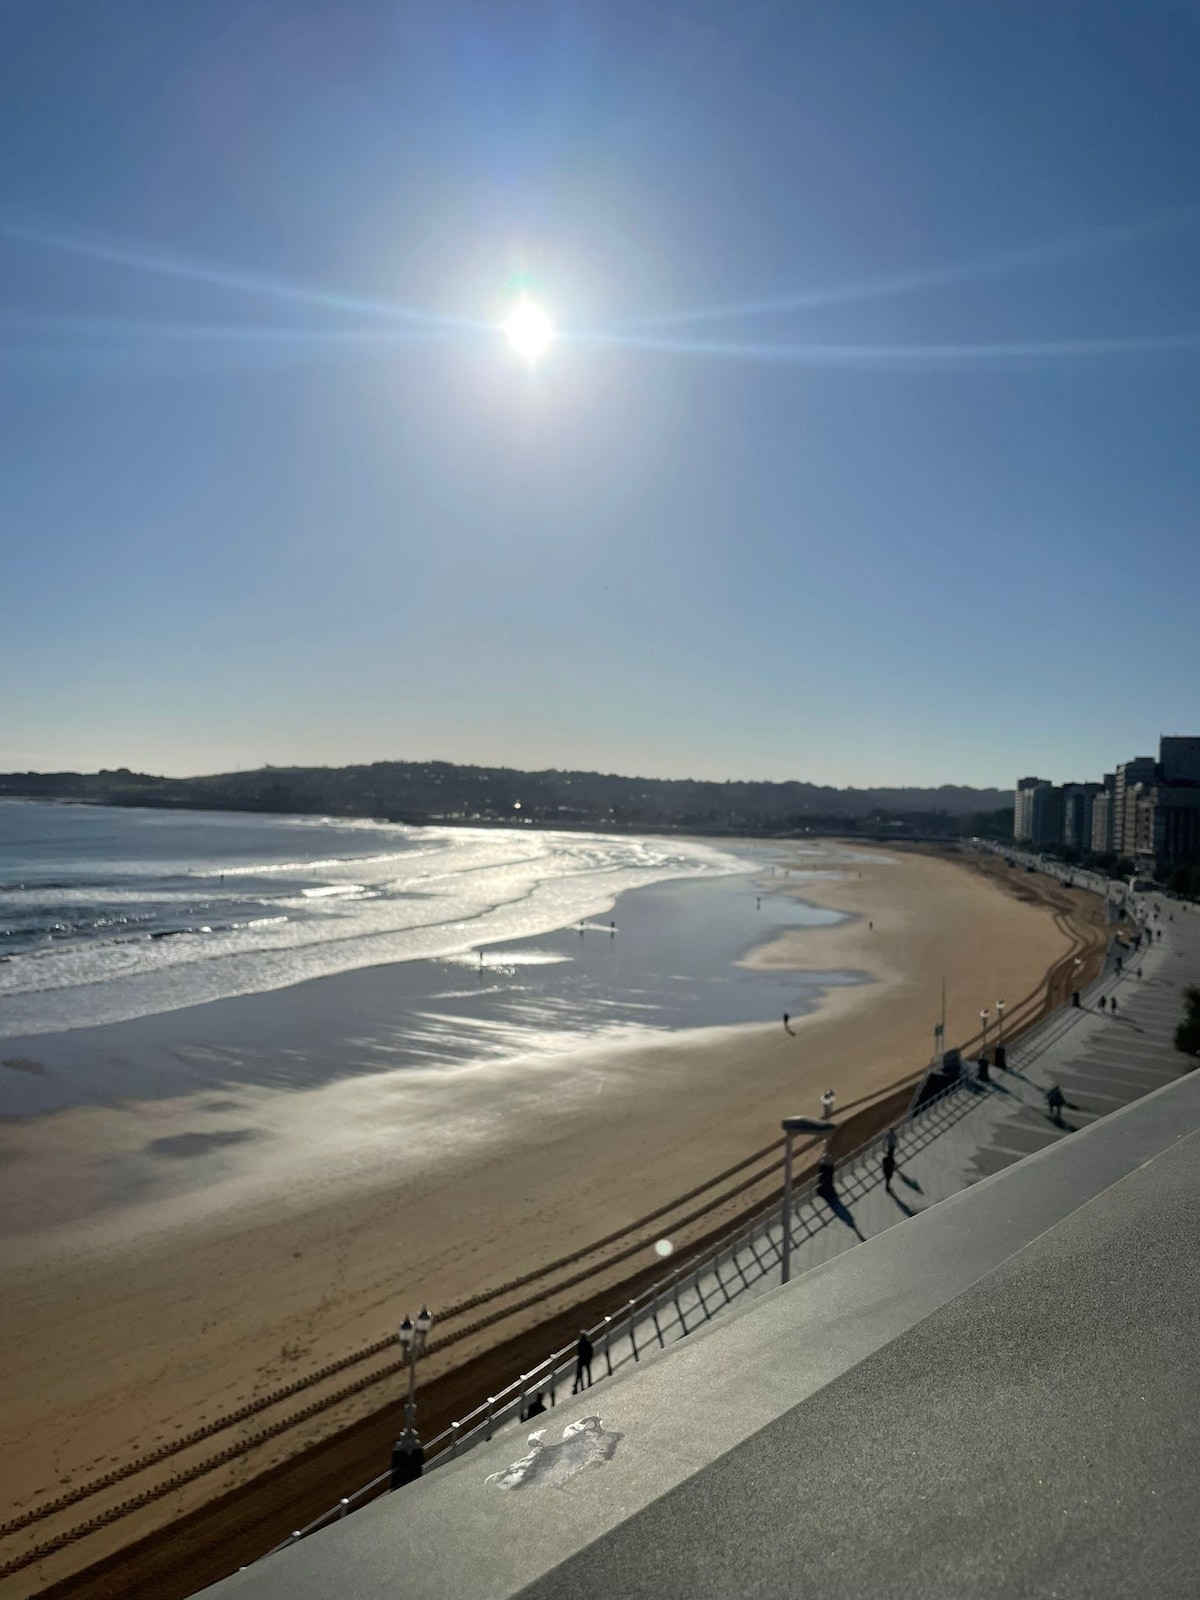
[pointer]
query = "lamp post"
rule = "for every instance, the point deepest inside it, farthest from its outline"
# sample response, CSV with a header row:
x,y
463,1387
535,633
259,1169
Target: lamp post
x,y
408,1455
983,1022
790,1126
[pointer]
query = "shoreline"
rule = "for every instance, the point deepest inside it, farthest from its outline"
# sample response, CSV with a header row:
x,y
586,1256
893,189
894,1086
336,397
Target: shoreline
x,y
338,1257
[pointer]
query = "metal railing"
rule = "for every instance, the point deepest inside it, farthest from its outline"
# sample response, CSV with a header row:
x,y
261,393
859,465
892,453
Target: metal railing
x,y
677,1305
686,1299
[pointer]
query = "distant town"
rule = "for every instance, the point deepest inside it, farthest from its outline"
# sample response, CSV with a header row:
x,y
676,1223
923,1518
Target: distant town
x,y
1141,818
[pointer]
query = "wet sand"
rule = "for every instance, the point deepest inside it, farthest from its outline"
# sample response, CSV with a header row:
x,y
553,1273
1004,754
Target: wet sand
x,y
129,1320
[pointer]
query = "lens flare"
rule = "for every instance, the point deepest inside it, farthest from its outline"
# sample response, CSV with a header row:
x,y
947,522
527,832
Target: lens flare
x,y
529,330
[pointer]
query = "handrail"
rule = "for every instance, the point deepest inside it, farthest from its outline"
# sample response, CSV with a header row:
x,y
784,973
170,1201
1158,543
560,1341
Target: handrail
x,y
555,1367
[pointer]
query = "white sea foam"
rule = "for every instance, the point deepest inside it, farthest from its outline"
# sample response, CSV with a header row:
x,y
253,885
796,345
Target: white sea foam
x,y
408,894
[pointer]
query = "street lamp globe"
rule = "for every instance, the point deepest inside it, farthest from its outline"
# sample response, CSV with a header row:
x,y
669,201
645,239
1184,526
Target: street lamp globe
x,y
424,1323
405,1334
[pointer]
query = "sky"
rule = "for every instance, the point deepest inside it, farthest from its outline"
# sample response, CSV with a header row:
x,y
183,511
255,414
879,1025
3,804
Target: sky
x,y
865,450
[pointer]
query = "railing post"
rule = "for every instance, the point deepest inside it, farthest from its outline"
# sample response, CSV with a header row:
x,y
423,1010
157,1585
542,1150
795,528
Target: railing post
x,y
487,1421
700,1295
454,1438
737,1260
632,1334
678,1306
662,1343
343,1507
716,1260
608,1345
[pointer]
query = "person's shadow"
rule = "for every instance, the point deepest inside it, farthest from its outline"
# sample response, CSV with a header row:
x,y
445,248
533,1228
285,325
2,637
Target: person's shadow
x,y
909,1211
842,1212
1057,1119
910,1183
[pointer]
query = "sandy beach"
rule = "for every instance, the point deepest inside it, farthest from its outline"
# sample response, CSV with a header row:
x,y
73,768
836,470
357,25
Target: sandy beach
x,y
304,1223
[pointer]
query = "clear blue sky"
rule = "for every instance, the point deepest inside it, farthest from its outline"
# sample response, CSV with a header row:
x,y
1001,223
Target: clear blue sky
x,y
935,519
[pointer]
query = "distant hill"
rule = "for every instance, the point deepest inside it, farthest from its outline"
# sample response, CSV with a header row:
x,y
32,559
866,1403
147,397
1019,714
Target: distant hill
x,y
440,791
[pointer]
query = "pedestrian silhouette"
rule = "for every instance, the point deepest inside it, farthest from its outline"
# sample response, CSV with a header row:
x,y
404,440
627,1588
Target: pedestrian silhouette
x,y
786,1023
1103,1002
890,1141
1139,972
889,1169
535,1408
583,1363
1112,1004
1056,1100
825,1184
827,1100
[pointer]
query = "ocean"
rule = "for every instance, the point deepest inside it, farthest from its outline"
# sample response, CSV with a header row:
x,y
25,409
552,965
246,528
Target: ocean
x,y
109,915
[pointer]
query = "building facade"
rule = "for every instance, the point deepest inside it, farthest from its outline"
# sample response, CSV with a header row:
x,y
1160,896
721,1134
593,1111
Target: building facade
x,y
1078,805
1142,769
1179,759
1045,816
1023,808
1147,811
1102,815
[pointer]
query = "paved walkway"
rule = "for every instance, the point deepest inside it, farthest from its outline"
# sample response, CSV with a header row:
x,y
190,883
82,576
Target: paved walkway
x,y
1101,1062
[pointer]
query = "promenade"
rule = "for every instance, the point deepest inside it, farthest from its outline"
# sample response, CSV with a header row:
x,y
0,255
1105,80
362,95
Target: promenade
x,y
1101,1061
827,1430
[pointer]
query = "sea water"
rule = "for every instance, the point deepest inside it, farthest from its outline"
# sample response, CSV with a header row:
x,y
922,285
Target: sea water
x,y
107,914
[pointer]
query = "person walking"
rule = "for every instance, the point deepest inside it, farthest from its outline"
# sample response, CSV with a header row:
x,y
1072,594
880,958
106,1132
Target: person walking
x,y
889,1169
1056,1100
583,1363
827,1100
1103,1003
1112,1005
826,1187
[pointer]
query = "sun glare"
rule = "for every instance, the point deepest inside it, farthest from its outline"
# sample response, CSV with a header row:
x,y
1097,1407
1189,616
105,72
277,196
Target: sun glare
x,y
529,330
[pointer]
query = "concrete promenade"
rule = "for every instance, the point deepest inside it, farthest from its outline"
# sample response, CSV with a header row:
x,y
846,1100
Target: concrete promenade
x,y
1101,1061
994,1398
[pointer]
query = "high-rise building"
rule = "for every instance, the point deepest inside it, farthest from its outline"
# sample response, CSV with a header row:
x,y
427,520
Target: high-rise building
x,y
1142,769
1179,759
1102,815
1045,816
1141,805
1023,808
1175,825
1078,802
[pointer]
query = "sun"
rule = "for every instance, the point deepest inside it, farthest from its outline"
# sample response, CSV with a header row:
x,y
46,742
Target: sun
x,y
529,330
